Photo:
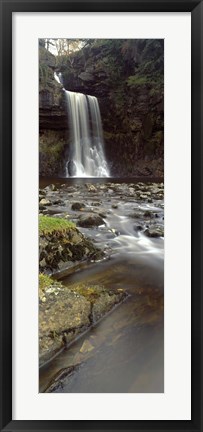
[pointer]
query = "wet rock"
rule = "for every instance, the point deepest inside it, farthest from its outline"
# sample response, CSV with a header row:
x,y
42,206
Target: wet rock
x,y
42,192
42,207
52,211
131,191
57,381
42,263
102,214
50,188
90,220
144,197
148,214
71,168
77,206
41,196
61,318
45,202
96,203
90,187
102,187
59,250
138,227
105,303
66,312
86,347
136,215
58,202
155,231
155,190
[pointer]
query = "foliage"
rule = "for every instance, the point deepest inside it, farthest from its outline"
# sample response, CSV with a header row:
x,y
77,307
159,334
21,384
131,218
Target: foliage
x,y
52,143
136,80
49,225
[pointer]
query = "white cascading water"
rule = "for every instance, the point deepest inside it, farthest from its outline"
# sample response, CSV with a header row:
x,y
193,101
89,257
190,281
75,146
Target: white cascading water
x,y
87,157
87,145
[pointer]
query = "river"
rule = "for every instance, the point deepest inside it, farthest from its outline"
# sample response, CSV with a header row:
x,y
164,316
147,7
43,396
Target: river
x,y
124,352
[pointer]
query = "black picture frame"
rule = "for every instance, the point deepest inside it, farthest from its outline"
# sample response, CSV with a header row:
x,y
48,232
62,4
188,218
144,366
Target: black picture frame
x,y
7,8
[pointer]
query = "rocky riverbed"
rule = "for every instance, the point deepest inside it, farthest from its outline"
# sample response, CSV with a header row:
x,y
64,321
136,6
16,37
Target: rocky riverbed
x,y
109,219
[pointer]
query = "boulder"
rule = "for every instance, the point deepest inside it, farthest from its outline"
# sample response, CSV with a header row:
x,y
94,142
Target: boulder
x,y
77,206
155,231
71,168
50,188
91,187
89,220
44,202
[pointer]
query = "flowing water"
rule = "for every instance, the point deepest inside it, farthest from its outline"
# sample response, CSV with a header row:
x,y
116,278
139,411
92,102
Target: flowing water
x,y
127,346
87,156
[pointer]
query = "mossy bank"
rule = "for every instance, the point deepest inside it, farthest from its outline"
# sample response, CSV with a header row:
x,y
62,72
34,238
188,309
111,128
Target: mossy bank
x,y
66,312
62,245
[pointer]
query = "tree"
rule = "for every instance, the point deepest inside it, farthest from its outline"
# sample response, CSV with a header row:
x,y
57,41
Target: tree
x,y
67,46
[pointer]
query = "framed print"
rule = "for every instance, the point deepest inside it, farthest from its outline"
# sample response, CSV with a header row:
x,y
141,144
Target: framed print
x,y
101,215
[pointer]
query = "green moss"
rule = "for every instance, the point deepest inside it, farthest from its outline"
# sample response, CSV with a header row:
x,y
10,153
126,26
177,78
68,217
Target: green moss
x,y
91,293
136,80
48,225
45,281
52,143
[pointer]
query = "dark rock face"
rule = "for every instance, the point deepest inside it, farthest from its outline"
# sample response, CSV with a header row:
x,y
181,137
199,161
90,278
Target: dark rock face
x,y
52,111
52,118
52,147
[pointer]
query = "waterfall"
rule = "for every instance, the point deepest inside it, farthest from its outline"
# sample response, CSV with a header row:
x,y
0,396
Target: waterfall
x,y
58,78
87,158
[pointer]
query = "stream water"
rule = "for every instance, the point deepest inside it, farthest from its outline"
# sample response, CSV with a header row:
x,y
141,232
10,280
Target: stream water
x,y
127,346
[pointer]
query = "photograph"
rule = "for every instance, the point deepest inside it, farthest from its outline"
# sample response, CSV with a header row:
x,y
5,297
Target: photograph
x,y
101,197
101,215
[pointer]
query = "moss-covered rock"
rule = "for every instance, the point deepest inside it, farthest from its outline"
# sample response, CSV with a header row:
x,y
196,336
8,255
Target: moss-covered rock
x,y
66,312
62,245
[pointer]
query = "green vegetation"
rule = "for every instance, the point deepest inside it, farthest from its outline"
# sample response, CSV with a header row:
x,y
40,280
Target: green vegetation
x,y
136,80
91,293
51,150
45,281
52,143
49,225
